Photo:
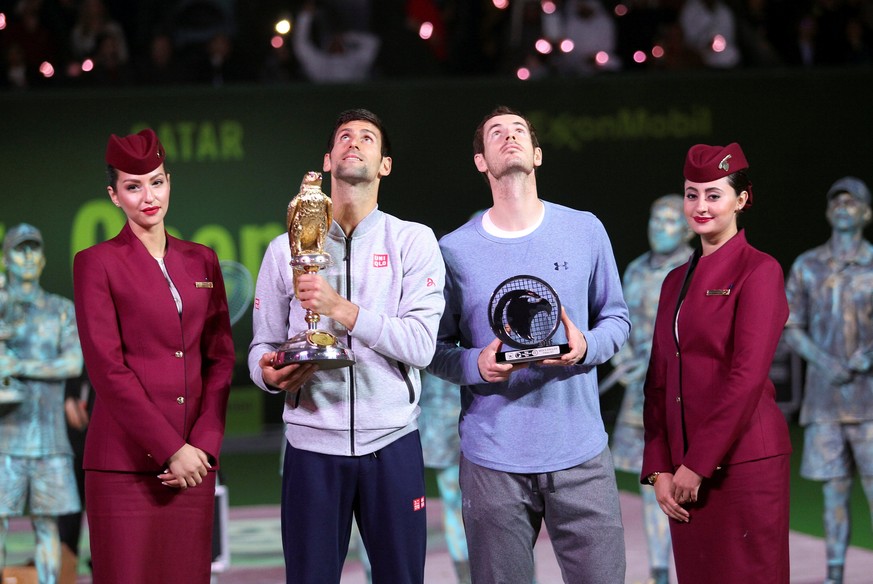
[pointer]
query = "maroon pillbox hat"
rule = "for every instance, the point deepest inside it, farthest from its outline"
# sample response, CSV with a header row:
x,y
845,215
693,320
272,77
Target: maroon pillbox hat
x,y
135,154
706,163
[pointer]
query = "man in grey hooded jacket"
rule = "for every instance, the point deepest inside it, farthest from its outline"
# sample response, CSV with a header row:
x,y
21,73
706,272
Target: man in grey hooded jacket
x,y
353,446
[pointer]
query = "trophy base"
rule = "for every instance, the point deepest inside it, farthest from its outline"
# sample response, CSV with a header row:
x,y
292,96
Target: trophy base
x,y
315,346
533,354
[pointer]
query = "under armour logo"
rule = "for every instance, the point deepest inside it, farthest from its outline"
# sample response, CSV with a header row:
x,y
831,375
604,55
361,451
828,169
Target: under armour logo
x,y
559,265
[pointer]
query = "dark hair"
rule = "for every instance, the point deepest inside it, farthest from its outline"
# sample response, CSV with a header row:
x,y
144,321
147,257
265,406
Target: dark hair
x,y
740,181
500,110
111,176
363,115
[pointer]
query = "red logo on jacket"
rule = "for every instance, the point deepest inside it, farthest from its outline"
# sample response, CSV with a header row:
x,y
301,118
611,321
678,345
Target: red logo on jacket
x,y
380,260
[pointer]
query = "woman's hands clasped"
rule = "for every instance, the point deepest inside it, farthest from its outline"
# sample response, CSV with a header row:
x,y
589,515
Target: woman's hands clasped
x,y
672,491
186,468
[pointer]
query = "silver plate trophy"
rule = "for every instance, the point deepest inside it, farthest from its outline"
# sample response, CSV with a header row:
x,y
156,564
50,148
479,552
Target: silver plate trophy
x,y
524,312
309,218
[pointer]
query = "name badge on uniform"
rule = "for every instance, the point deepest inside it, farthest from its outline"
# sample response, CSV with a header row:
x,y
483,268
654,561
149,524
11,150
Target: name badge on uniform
x,y
203,284
720,291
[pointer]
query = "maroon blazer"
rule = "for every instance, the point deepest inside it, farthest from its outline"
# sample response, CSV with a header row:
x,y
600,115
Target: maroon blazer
x,y
708,398
160,379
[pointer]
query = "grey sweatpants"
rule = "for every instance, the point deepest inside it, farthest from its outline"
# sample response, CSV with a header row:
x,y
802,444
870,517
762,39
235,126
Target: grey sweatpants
x,y
503,513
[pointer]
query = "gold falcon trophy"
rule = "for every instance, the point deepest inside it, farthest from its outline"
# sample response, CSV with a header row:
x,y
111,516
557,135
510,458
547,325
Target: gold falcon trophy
x,y
310,214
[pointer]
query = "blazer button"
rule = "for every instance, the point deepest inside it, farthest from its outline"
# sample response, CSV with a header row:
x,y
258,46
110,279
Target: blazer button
x,y
677,353
180,400
678,399
179,354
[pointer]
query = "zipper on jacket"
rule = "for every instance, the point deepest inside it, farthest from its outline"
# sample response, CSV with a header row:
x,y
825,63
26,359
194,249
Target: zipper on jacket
x,y
404,372
348,261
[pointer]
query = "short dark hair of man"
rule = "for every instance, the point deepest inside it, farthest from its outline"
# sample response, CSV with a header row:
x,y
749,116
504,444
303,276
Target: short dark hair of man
x,y
501,110
361,114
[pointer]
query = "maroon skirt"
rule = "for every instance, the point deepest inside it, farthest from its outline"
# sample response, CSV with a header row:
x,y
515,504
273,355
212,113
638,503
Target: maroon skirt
x,y
142,532
738,533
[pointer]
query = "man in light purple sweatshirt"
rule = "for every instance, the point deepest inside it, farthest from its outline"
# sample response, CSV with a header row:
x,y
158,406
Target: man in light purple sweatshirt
x,y
533,445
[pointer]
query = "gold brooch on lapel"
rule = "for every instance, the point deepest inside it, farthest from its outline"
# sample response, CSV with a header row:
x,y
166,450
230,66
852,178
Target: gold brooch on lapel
x,y
720,291
203,284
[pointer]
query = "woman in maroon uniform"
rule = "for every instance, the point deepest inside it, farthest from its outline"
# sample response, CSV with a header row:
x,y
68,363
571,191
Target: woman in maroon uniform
x,y
155,332
717,446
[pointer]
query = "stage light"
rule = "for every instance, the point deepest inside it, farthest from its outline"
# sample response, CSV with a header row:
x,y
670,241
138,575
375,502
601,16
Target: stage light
x,y
47,69
500,4
87,65
567,46
657,51
283,26
620,10
718,43
2,21
601,58
543,46
425,31
523,73
548,6
639,56
277,41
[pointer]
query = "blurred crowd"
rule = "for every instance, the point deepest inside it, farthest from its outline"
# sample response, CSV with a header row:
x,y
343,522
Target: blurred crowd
x,y
100,43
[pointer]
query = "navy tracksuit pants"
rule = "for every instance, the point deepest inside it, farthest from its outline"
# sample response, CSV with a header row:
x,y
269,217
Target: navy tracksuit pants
x,y
382,491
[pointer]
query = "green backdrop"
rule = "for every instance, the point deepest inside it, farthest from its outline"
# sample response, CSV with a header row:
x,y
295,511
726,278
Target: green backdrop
x,y
612,144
